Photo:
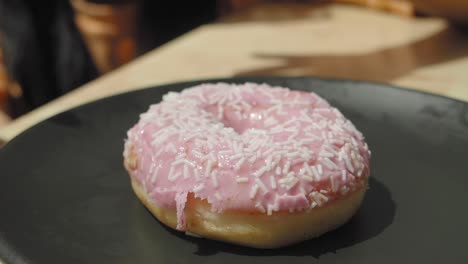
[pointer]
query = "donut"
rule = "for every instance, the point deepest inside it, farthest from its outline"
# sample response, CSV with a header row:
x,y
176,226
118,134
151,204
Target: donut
x,y
249,164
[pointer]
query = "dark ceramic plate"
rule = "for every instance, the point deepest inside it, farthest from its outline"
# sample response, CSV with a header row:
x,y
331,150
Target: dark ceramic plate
x,y
65,197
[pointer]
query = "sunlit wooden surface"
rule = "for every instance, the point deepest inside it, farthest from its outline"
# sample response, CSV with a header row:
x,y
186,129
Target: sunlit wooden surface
x,y
326,41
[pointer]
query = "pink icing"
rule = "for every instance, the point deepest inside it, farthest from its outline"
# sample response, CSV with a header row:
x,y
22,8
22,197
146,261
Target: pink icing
x,y
246,147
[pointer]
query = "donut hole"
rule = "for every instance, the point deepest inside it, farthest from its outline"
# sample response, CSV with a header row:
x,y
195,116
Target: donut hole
x,y
239,120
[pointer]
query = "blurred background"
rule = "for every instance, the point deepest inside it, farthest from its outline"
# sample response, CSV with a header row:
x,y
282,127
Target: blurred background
x,y
49,50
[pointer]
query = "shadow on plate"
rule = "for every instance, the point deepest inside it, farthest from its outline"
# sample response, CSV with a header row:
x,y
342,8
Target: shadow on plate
x,y
374,216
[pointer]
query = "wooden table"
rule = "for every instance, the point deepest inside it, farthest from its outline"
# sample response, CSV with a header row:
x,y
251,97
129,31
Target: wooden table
x,y
327,41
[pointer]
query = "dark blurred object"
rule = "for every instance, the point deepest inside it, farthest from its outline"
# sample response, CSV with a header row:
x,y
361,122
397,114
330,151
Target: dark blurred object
x,y
109,30
117,31
4,83
400,7
47,56
455,10
43,51
161,21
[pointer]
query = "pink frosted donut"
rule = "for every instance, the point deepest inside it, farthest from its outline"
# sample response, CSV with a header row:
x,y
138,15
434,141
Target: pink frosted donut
x,y
249,164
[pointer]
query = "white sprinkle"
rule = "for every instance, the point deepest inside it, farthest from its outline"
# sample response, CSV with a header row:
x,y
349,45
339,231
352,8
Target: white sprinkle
x,y
155,174
326,154
271,109
189,163
354,142
253,158
291,175
189,137
225,152
159,152
319,169
196,173
302,171
317,127
313,204
322,110
170,147
307,140
307,168
175,176
271,121
160,138
293,155
177,162
186,171
293,135
260,207
259,172
289,181
242,179
199,143
340,156
286,167
278,170
277,130
239,164
273,182
334,187
170,174
268,163
214,178
337,141
330,164
218,196
359,174
302,190
209,143
324,135
237,147
220,111
289,122
348,164
245,105
318,197
209,165
322,197
261,185
323,191
259,153
269,209
253,191
315,173
307,178
236,156
268,151
199,187
343,175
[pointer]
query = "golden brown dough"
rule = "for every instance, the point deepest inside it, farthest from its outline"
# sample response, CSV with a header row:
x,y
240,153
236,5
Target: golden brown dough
x,y
255,229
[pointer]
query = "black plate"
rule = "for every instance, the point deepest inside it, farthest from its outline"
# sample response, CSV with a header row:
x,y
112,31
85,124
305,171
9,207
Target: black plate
x,y
65,197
